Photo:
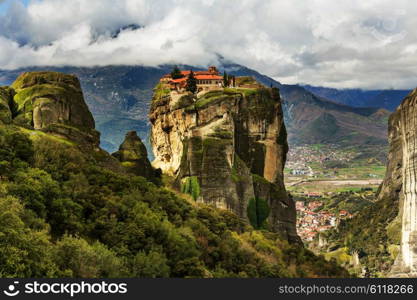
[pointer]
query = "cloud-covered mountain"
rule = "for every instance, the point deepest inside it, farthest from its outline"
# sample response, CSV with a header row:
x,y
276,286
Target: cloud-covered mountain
x,y
388,99
354,44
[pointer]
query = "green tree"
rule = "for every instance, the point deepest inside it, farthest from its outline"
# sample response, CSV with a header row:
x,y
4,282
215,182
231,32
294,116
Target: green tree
x,y
258,211
16,151
192,187
176,73
275,93
191,83
226,80
262,211
151,265
77,258
24,252
21,144
36,189
251,210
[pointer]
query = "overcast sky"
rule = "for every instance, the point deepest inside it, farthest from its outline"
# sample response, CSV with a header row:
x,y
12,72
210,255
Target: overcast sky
x,y
366,44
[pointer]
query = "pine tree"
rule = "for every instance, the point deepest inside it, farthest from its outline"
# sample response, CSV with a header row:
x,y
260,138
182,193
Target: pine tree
x,y
275,94
225,79
176,73
191,83
258,211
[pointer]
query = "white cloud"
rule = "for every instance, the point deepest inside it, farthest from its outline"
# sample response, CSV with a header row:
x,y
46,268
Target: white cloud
x,y
369,44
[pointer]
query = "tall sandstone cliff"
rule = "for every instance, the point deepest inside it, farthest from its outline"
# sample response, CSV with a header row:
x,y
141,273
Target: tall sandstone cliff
x,y
226,148
50,102
400,183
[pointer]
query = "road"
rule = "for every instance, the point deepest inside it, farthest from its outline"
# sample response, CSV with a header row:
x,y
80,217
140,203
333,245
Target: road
x,y
339,182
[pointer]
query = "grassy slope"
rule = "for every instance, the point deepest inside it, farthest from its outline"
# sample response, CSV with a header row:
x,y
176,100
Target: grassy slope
x,y
371,235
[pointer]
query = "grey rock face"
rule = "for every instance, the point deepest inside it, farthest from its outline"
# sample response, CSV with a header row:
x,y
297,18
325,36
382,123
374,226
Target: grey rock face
x,y
405,134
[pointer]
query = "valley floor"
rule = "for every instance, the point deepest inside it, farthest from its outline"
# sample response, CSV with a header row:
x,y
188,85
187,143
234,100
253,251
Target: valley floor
x,y
330,184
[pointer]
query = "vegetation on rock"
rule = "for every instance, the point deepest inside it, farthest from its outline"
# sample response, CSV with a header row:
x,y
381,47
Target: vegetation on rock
x,y
191,186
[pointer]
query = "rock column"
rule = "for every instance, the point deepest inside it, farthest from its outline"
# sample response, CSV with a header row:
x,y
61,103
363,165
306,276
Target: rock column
x,y
406,262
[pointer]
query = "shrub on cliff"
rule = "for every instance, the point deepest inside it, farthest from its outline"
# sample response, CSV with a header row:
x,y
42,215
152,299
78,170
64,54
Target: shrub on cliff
x,y
176,73
191,83
191,186
258,212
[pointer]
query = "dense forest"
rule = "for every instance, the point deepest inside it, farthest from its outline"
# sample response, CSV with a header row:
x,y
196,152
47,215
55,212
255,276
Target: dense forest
x,y
62,215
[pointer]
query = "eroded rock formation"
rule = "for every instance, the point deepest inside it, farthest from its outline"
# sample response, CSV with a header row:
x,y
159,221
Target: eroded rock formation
x,y
226,148
134,157
49,101
403,172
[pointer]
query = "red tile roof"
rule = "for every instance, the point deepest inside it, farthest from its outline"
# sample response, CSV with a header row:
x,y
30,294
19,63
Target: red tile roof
x,y
179,80
186,73
207,77
198,77
212,71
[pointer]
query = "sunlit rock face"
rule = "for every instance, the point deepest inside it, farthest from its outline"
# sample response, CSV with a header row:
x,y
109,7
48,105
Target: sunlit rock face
x,y
51,102
406,262
225,148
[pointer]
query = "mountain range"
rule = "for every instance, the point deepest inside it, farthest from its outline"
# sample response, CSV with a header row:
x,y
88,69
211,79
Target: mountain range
x,y
388,99
119,98
313,120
